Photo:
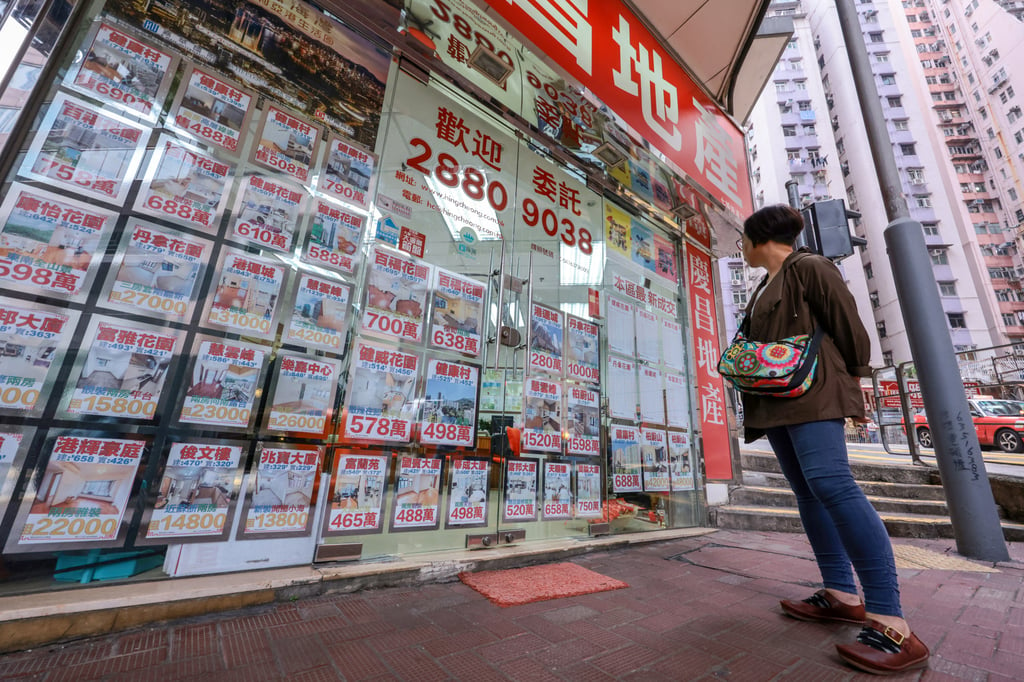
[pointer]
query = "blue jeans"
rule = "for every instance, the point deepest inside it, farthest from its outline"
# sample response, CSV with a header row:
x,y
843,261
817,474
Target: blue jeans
x,y
841,524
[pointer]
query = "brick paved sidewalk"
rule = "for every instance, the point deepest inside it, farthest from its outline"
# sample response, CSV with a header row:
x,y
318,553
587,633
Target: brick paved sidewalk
x,y
697,608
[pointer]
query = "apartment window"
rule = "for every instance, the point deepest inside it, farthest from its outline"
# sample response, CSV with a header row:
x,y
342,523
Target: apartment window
x,y
840,147
789,131
970,78
984,114
900,124
908,149
930,229
887,359
999,153
1018,137
1003,295
1009,91
915,33
881,57
956,320
1012,193
947,288
880,326
793,156
875,36
800,85
923,201
939,257
1002,97
868,272
781,86
873,297
894,102
785,107
980,228
1009,319
930,80
916,175
1019,215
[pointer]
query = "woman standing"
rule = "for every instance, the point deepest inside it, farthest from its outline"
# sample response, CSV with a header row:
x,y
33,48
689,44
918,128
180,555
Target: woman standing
x,y
807,435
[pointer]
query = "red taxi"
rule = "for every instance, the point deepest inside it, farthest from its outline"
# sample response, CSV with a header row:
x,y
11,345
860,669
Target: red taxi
x,y
999,423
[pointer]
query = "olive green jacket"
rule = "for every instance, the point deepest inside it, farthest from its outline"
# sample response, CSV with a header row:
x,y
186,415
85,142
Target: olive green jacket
x,y
809,288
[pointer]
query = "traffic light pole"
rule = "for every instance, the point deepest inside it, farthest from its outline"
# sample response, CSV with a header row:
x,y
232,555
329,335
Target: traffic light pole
x,y
972,509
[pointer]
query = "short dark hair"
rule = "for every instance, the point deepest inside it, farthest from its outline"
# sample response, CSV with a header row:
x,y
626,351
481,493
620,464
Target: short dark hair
x,y
777,223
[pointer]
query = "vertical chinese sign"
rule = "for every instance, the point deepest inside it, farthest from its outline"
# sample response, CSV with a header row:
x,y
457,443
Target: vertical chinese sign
x,y
710,388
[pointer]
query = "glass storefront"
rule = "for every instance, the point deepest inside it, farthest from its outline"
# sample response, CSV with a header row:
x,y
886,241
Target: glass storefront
x,y
272,295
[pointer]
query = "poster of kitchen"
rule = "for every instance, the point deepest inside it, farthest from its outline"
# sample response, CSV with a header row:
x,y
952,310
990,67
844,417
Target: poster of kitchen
x,y
357,493
542,415
85,150
625,459
124,369
647,335
267,213
196,493
588,491
122,71
448,409
652,401
417,494
396,296
557,491
456,315
468,493
621,330
654,451
303,396
581,351
520,490
48,242
222,385
334,237
184,184
283,491
320,314
622,402
347,171
83,492
680,470
287,143
677,398
379,401
157,271
211,109
672,354
617,227
582,407
33,339
246,293
545,341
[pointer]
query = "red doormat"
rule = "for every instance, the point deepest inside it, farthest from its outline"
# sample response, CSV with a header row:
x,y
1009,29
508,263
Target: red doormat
x,y
515,586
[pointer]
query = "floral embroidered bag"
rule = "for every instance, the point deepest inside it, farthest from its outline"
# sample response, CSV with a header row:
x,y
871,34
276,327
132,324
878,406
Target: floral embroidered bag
x,y
777,369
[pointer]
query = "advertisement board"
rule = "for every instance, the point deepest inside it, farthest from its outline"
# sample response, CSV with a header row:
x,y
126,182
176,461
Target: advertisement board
x,y
357,493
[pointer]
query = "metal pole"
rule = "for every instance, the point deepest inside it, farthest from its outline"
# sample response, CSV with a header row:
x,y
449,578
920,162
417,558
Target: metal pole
x,y
793,192
972,509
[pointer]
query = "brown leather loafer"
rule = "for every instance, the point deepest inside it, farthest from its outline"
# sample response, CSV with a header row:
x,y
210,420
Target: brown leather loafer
x,y
822,607
884,651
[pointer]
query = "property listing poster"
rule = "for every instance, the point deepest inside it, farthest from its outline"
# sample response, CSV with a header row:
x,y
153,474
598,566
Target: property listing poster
x,y
158,271
184,184
622,402
396,296
520,490
557,491
680,471
647,334
672,354
334,237
10,464
652,402
246,295
621,331
467,496
212,109
654,451
625,459
642,245
48,242
124,371
617,225
222,386
357,493
545,340
284,492
85,150
84,490
347,172
665,264
677,398
417,493
502,391
457,313
33,340
124,71
320,314
542,415
581,351
379,400
286,144
448,412
196,492
588,491
267,213
583,416
303,396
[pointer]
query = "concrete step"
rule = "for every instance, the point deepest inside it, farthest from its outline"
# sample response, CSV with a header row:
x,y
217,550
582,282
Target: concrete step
x,y
778,497
913,491
888,473
899,525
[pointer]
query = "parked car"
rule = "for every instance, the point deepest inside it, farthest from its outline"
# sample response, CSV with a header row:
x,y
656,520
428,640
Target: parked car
x,y
999,423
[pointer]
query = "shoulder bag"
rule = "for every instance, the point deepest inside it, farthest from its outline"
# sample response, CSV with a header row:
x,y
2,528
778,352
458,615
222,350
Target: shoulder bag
x,y
776,369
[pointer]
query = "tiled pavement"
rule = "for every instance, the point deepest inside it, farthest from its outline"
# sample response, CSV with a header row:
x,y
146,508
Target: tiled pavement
x,y
697,608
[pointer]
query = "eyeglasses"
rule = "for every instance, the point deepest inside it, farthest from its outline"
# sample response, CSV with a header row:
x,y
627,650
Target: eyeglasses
x,y
739,243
